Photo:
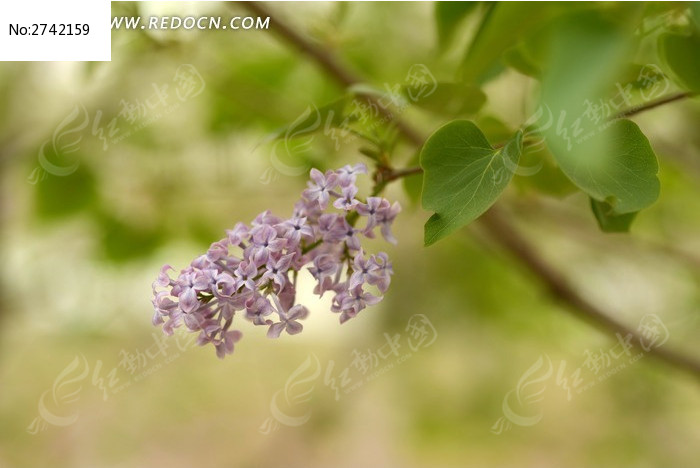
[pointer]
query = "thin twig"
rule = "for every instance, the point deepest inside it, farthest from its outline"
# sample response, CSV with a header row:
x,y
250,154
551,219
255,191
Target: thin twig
x,y
399,173
652,104
502,231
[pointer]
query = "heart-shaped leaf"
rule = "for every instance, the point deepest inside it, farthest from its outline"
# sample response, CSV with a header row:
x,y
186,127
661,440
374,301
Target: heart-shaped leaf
x,y
464,175
611,161
615,165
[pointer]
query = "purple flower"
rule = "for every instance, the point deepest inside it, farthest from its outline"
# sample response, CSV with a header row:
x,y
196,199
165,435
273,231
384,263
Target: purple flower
x,y
382,276
309,209
163,279
277,270
162,303
188,300
225,344
249,270
193,321
288,322
246,273
337,229
349,303
266,218
364,271
375,208
256,308
321,186
348,174
295,229
326,284
327,222
347,201
217,251
324,265
239,234
204,279
173,322
265,241
201,263
386,219
226,285
286,297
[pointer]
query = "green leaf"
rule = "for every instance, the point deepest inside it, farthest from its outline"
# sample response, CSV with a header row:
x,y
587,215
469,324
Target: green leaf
x,y
464,175
682,55
448,16
610,161
518,59
586,52
616,165
493,128
58,196
452,99
608,220
504,26
121,241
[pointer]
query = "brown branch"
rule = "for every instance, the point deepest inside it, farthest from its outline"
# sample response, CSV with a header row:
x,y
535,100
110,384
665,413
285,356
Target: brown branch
x,y
560,289
332,66
323,57
652,104
498,226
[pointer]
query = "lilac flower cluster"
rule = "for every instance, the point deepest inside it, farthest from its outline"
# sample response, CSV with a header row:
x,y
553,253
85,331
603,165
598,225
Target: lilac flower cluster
x,y
253,270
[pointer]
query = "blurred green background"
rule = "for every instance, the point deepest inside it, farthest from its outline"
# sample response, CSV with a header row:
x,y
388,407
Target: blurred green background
x,y
169,144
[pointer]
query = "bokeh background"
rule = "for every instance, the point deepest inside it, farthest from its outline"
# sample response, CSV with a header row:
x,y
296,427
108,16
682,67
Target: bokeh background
x,y
154,177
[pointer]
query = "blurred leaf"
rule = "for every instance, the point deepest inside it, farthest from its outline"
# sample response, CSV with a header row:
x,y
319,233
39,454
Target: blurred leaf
x,y
608,220
247,91
530,54
464,175
625,176
518,59
586,51
682,55
611,162
453,99
504,25
448,16
59,196
494,129
121,241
